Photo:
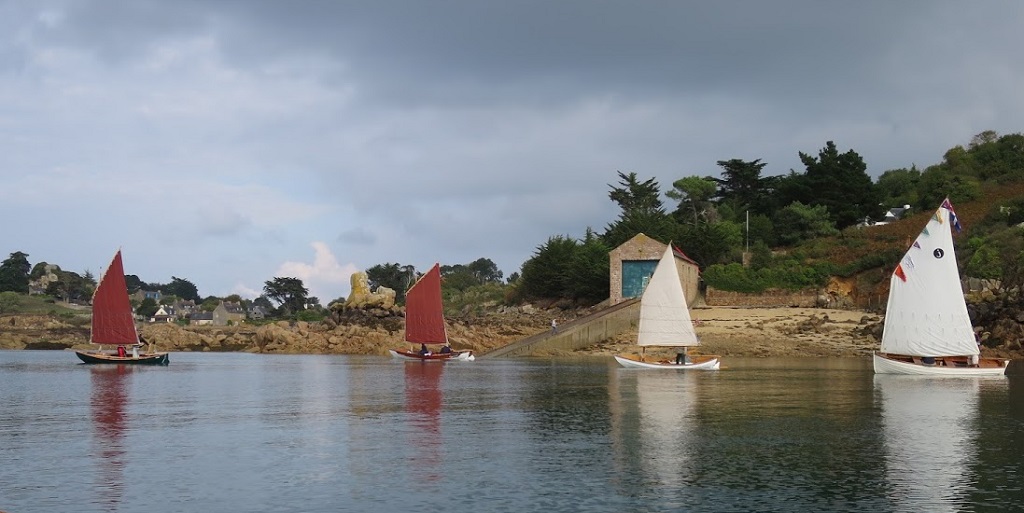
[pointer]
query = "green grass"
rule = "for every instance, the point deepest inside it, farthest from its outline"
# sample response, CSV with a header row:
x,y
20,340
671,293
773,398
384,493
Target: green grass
x,y
12,303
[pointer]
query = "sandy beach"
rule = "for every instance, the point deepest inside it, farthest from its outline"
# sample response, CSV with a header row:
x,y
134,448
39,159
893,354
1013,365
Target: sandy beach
x,y
770,332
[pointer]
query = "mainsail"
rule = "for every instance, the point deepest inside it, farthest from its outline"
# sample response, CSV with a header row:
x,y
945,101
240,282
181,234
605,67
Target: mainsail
x,y
112,319
926,314
664,317
424,312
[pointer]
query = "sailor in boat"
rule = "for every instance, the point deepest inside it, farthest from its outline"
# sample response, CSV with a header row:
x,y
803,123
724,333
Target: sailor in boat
x,y
447,349
423,350
684,357
135,351
121,352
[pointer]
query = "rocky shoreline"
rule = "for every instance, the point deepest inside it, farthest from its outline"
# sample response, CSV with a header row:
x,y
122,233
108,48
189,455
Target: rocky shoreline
x,y
748,332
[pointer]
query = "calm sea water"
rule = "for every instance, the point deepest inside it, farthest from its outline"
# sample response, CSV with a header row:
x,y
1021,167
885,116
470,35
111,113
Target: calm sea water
x,y
253,433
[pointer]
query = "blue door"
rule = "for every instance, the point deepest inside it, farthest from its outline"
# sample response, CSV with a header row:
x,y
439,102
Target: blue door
x,y
635,275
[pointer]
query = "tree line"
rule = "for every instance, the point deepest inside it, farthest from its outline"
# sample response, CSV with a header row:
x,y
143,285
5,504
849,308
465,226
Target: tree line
x,y
716,219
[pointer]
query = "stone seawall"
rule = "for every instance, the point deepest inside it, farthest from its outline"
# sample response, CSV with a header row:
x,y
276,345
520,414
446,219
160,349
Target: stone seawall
x,y
807,298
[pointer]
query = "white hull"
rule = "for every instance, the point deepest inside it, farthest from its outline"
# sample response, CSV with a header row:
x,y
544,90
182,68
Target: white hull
x,y
462,356
887,366
712,364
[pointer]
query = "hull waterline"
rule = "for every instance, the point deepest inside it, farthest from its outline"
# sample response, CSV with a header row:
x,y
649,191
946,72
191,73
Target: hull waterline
x,y
711,364
883,365
462,356
143,359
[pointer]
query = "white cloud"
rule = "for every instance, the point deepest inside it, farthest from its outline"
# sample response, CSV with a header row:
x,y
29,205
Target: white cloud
x,y
325,278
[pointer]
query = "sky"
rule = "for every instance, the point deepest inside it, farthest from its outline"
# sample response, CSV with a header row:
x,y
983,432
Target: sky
x,y
231,142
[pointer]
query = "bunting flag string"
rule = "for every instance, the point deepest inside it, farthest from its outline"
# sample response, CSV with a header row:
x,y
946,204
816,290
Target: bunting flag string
x,y
917,244
925,231
954,221
938,216
909,262
899,272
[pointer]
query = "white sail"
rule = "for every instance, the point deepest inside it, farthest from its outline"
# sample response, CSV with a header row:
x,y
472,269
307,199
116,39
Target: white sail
x,y
926,314
664,317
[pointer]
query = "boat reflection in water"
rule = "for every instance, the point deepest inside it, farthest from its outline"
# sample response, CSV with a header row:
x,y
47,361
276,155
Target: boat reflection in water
x,y
654,431
109,404
929,436
423,400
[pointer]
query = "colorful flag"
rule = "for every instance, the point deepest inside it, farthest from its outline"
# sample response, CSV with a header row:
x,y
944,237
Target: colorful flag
x,y
937,216
899,272
947,205
956,222
925,231
909,262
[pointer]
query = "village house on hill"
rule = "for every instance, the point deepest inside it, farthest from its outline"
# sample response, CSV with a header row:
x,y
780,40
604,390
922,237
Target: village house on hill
x,y
228,313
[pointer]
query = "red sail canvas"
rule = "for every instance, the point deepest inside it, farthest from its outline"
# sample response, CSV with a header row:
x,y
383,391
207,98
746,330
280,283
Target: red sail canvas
x,y
112,320
424,312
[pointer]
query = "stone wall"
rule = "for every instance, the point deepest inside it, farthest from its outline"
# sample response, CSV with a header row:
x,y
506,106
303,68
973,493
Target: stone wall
x,y
807,298
580,333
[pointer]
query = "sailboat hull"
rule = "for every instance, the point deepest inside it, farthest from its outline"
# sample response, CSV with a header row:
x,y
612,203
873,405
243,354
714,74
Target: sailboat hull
x,y
464,356
894,364
143,359
698,363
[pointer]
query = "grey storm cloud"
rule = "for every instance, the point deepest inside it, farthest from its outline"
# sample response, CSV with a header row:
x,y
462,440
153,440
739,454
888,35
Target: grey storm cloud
x,y
228,139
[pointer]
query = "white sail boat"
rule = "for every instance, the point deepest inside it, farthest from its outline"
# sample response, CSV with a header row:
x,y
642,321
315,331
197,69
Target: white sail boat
x,y
927,329
665,321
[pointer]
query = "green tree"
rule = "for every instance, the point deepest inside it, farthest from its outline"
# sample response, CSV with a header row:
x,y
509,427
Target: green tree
x,y
14,273
938,182
135,284
546,273
709,243
394,276
743,187
839,182
485,271
634,196
265,304
288,292
588,270
182,288
69,286
641,212
458,277
148,308
898,187
797,222
694,196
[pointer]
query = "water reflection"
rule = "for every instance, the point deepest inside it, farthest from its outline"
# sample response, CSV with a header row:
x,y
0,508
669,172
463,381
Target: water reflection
x,y
653,425
423,399
109,402
930,440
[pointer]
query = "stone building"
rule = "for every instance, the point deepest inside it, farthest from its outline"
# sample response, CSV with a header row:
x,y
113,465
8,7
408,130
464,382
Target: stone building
x,y
632,264
228,313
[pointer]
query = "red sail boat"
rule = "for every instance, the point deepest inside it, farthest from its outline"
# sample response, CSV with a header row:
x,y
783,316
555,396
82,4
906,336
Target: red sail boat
x,y
424,322
114,325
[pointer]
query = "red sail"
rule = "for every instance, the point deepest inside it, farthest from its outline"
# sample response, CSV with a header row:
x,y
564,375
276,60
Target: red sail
x,y
112,320
424,313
